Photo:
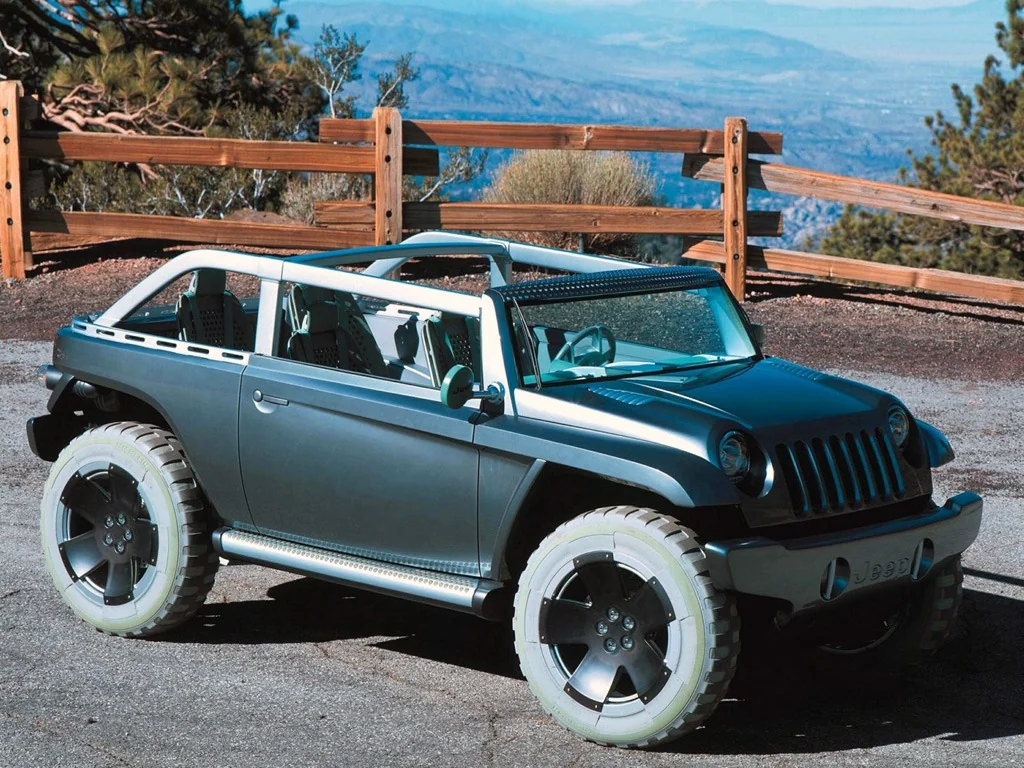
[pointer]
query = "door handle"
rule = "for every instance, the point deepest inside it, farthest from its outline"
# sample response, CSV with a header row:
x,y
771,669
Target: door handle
x,y
259,397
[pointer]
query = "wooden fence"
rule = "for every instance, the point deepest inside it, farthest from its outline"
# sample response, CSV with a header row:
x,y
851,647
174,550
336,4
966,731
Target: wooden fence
x,y
389,148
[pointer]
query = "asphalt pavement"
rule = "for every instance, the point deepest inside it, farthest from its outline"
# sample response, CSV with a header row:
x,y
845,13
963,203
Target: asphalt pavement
x,y
278,670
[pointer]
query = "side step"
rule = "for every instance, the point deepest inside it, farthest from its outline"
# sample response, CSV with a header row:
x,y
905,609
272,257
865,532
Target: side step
x,y
463,593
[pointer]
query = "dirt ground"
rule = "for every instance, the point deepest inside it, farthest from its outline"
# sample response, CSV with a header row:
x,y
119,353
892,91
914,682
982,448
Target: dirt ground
x,y
815,322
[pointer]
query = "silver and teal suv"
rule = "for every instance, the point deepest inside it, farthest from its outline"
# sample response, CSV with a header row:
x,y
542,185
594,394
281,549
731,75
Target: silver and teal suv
x,y
605,459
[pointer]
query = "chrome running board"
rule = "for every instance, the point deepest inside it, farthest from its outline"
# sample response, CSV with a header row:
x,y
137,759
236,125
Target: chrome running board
x,y
463,593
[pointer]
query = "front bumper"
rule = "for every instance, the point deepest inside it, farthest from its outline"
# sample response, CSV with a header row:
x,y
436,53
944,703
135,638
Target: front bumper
x,y
816,571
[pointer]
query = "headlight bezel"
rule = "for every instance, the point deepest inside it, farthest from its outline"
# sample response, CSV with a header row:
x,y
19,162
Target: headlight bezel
x,y
900,435
741,458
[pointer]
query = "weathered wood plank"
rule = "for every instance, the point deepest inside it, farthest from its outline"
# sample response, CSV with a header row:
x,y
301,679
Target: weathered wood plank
x,y
872,194
388,179
214,231
12,239
543,217
820,265
734,206
458,133
221,153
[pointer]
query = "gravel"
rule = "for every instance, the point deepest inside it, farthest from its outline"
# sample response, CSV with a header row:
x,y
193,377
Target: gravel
x,y
278,670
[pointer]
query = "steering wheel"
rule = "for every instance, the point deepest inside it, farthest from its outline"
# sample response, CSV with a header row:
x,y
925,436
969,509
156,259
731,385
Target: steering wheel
x,y
594,355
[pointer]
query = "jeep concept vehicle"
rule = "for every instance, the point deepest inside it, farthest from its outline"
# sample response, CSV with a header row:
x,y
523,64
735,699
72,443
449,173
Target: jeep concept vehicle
x,y
604,458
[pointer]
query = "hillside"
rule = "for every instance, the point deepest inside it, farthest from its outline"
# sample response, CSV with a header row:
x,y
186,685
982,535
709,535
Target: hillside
x,y
848,86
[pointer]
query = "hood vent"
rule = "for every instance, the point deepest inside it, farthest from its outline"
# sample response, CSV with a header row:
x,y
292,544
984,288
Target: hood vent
x,y
798,370
621,395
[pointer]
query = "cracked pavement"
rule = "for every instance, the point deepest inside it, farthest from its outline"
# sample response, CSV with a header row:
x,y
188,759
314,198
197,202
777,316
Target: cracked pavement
x,y
278,670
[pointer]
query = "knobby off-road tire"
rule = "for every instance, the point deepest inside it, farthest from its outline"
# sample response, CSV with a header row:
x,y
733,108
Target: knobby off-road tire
x,y
619,631
124,530
921,627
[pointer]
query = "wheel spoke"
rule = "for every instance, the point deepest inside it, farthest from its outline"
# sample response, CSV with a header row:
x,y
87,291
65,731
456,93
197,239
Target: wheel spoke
x,y
82,555
123,493
84,497
596,676
565,621
602,580
649,607
145,545
646,669
120,580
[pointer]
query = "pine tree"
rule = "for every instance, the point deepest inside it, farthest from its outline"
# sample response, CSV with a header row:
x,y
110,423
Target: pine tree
x,y
978,153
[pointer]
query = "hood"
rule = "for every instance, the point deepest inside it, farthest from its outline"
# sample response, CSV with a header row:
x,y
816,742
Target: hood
x,y
767,395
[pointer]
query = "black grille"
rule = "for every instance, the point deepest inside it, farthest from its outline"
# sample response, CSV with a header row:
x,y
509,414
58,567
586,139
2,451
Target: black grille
x,y
841,472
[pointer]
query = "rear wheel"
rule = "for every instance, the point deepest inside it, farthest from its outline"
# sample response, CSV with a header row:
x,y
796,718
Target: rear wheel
x,y
124,530
619,631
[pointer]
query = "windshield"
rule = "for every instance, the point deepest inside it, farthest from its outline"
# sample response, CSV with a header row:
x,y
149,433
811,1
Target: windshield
x,y
613,336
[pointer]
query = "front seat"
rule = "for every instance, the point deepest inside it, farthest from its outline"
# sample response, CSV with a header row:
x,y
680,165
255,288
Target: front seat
x,y
451,340
208,313
364,354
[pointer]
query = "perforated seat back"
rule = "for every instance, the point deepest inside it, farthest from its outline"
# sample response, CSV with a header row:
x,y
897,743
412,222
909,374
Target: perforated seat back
x,y
208,313
364,353
451,340
319,340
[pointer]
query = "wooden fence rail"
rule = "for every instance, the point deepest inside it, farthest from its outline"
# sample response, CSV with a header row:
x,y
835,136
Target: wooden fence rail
x,y
545,217
872,194
623,138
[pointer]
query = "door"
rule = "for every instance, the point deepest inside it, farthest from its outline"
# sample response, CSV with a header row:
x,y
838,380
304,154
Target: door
x,y
363,465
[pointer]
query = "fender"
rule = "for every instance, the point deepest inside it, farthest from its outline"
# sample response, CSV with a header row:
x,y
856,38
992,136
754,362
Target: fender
x,y
936,445
169,382
515,451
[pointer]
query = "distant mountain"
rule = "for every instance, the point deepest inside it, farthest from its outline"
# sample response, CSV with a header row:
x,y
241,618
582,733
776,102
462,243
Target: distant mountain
x,y
848,87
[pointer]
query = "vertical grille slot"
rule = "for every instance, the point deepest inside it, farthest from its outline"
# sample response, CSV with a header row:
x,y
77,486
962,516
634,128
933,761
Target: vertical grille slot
x,y
839,472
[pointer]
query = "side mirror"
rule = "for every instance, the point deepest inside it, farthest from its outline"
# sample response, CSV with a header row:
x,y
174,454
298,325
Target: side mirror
x,y
758,331
457,388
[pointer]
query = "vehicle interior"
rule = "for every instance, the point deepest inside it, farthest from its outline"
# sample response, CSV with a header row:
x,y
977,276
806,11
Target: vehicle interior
x,y
318,326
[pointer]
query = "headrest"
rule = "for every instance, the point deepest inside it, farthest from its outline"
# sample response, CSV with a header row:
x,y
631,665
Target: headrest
x,y
308,295
320,317
208,282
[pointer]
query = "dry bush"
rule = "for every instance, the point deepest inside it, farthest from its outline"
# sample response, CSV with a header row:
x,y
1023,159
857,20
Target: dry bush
x,y
301,192
573,177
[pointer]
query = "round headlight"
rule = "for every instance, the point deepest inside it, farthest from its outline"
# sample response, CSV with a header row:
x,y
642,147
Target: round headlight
x,y
734,457
899,425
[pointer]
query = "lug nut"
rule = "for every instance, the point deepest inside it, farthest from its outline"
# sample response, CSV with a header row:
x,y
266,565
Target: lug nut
x,y
627,643
119,547
121,519
109,522
602,628
629,622
613,614
610,645
128,535
108,539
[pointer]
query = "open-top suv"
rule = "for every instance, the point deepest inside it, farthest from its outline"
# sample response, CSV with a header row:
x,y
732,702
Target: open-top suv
x,y
605,459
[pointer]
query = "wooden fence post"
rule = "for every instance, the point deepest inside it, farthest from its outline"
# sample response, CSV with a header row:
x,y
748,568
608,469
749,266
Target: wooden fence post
x,y
734,206
12,239
388,179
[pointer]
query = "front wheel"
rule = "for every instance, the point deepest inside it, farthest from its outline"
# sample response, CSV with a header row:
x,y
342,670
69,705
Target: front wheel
x,y
124,531
619,631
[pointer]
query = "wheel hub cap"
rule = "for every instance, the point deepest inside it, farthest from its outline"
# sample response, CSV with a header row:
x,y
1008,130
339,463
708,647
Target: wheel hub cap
x,y
108,530
615,627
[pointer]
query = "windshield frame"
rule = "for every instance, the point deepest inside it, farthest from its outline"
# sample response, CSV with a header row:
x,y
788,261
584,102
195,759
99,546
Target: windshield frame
x,y
512,305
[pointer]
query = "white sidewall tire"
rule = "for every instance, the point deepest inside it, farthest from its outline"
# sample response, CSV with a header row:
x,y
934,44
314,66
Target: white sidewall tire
x,y
703,637
183,572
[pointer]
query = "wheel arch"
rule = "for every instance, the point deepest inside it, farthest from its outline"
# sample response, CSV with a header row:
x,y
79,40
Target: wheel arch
x,y
551,493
